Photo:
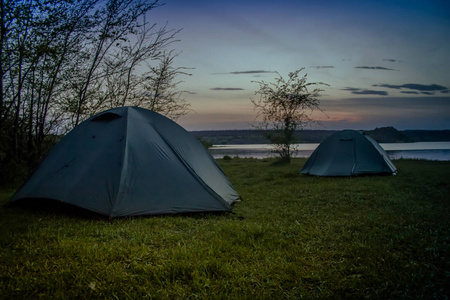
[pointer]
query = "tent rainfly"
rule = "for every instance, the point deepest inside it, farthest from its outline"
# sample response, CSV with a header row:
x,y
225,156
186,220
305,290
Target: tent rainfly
x,y
348,153
131,161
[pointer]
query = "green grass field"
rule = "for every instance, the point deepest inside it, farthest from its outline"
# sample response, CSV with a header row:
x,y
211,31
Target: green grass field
x,y
292,236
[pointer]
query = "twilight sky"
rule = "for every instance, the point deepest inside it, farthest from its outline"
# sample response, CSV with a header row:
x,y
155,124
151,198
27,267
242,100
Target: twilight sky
x,y
387,62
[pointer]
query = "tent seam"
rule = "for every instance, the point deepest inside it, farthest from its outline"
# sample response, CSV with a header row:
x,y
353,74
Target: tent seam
x,y
122,178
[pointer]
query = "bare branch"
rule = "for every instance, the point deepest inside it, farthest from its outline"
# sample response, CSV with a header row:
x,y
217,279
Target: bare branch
x,y
285,106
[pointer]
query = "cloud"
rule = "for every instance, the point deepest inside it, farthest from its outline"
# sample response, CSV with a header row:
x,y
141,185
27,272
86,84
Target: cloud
x,y
351,89
391,60
226,89
409,92
423,88
358,91
374,68
246,72
370,92
252,72
323,67
407,112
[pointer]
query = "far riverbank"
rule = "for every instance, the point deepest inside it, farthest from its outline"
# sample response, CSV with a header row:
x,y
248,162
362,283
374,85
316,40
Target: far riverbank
x,y
439,151
381,135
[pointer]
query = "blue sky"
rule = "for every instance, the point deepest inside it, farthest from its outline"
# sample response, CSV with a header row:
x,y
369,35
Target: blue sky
x,y
387,62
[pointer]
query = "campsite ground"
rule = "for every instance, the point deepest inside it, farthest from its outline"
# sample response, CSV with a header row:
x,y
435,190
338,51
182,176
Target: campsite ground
x,y
292,236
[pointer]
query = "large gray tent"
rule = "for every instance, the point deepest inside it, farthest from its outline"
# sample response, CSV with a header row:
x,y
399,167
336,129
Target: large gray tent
x,y
348,153
131,161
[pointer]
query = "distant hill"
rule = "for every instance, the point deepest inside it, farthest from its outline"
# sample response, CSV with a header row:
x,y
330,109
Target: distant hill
x,y
428,135
381,135
392,135
239,137
388,135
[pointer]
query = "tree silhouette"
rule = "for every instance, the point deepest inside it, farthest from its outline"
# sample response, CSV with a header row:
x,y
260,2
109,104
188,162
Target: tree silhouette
x,y
63,61
285,107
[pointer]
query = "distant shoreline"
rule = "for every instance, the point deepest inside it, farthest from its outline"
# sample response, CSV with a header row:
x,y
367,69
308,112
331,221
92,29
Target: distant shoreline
x,y
381,135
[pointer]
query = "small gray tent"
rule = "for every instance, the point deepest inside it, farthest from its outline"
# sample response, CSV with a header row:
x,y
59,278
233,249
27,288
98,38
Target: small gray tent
x,y
348,153
131,161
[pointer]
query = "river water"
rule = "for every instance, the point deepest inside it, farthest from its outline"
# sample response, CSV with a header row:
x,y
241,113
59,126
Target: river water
x,y
421,150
